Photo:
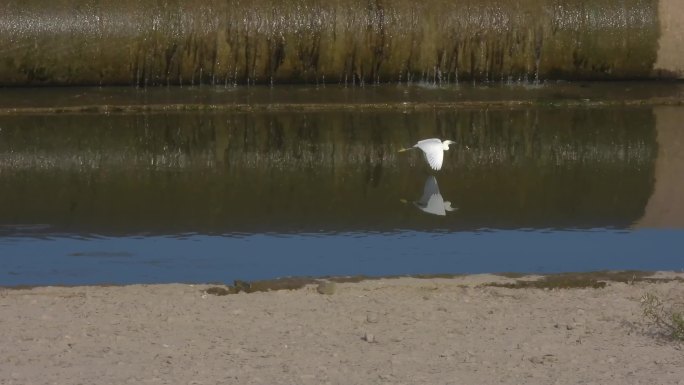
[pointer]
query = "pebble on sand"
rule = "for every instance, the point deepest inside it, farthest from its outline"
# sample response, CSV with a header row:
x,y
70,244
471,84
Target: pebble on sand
x,y
326,287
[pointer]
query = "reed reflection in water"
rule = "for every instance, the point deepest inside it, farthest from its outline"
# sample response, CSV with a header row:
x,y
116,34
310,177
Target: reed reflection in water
x,y
220,173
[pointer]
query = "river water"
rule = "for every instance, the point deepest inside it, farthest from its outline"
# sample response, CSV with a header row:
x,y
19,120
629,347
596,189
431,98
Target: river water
x,y
217,195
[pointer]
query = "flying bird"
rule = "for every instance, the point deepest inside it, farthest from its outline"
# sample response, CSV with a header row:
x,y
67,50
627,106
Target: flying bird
x,y
433,149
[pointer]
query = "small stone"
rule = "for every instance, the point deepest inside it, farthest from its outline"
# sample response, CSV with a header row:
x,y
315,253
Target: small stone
x,y
372,318
368,337
242,286
536,360
569,327
327,288
218,291
546,358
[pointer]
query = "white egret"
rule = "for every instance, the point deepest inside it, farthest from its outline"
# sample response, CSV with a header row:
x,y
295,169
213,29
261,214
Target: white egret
x,y
433,149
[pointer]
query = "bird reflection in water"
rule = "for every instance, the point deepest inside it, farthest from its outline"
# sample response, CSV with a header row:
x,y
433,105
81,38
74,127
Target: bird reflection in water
x,y
432,202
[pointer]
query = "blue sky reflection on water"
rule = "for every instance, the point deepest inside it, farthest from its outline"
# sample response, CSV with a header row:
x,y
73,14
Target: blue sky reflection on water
x,y
214,258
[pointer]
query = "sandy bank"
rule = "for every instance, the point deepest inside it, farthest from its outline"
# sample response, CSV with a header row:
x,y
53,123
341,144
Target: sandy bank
x,y
390,331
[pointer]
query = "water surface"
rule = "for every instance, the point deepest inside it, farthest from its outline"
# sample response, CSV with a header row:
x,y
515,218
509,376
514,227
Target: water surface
x,y
217,196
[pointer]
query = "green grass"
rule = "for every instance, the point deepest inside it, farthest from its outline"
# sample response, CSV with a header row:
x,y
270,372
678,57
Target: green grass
x,y
668,318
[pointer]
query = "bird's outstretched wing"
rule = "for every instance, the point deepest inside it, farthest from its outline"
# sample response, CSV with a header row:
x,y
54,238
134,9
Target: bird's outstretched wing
x,y
433,151
435,159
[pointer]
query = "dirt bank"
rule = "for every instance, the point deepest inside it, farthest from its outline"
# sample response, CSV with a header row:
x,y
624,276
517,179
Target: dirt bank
x,y
390,331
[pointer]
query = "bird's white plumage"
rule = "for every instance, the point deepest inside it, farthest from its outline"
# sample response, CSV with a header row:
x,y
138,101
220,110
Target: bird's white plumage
x,y
433,149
